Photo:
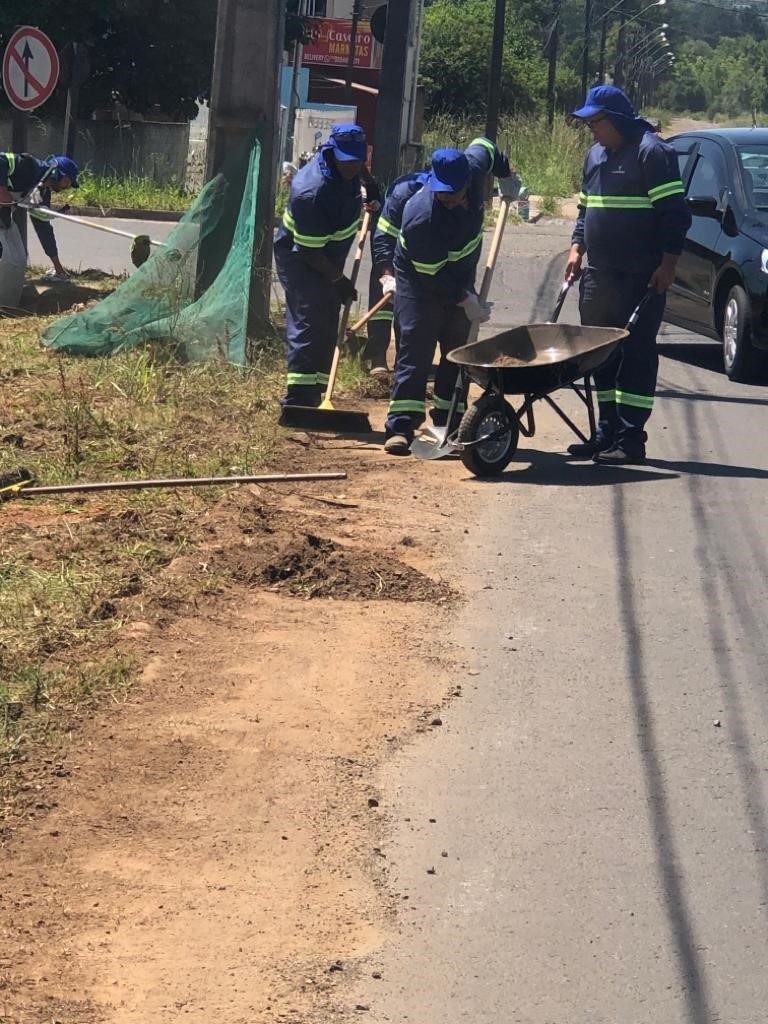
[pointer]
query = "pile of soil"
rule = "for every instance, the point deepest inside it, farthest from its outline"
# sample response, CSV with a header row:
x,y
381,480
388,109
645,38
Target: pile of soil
x,y
312,566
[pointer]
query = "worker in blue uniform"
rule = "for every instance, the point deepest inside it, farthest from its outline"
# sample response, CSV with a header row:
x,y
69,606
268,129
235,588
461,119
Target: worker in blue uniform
x,y
319,225
23,176
631,225
383,244
435,262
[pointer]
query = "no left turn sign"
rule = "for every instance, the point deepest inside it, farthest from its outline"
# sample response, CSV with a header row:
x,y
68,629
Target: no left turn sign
x,y
30,68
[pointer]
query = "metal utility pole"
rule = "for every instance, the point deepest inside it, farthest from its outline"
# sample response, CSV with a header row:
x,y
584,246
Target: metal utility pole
x,y
356,9
293,99
391,108
552,45
494,84
585,63
245,94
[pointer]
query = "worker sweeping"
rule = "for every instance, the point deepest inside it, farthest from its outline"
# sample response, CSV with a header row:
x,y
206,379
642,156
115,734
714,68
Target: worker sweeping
x,y
23,176
631,224
435,261
383,244
311,247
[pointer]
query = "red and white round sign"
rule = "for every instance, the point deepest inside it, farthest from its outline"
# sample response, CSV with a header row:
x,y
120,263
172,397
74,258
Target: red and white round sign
x,y
30,68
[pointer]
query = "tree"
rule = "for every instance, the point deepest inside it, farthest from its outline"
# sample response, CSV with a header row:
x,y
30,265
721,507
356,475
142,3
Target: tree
x,y
152,55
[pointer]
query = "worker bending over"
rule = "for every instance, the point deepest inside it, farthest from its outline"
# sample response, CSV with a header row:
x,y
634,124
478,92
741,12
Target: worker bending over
x,y
319,225
631,225
25,177
435,261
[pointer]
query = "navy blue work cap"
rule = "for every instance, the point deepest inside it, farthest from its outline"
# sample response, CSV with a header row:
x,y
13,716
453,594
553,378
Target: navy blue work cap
x,y
450,170
611,101
63,167
348,142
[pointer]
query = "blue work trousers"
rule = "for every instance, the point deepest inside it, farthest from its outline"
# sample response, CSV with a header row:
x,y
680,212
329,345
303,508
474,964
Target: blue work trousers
x,y
311,328
626,383
424,320
380,324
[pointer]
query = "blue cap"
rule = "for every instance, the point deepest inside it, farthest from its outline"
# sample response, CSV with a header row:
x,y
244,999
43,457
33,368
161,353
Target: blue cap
x,y
348,142
610,100
450,170
64,167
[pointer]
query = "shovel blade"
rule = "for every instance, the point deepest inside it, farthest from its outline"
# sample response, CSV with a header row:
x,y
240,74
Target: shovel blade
x,y
427,450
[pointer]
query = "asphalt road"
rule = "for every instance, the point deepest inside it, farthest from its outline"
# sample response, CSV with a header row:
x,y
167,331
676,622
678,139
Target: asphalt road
x,y
82,248
585,839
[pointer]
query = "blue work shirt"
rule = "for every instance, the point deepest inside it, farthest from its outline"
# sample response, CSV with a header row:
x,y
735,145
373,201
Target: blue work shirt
x,y
323,212
438,248
632,208
391,217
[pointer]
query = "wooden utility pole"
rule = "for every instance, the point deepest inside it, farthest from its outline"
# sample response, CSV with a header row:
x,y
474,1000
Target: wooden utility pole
x,y
585,63
356,9
494,83
552,46
245,95
391,119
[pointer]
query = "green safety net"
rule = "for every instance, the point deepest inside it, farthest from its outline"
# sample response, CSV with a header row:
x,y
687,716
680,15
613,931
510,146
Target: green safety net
x,y
192,293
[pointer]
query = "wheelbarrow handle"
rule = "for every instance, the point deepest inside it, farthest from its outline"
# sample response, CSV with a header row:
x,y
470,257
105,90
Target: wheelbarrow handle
x,y
634,316
561,298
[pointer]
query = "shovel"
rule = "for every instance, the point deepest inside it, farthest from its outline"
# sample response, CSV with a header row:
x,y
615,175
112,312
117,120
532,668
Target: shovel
x,y
442,445
325,417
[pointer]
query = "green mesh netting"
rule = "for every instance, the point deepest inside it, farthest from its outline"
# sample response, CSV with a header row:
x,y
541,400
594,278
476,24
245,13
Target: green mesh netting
x,y
192,293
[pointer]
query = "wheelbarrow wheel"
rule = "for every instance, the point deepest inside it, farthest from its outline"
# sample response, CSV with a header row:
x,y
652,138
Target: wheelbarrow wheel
x,y
490,416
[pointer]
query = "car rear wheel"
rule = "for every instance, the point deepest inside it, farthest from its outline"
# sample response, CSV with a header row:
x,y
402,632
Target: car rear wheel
x,y
742,361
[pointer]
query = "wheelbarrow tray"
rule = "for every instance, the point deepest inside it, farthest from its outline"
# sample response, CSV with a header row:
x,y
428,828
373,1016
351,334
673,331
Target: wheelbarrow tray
x,y
537,358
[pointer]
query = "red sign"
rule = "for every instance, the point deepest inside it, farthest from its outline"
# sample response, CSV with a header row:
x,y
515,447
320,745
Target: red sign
x,y
30,68
329,43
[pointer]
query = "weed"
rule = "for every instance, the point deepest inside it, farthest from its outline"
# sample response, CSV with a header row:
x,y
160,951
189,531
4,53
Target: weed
x,y
130,192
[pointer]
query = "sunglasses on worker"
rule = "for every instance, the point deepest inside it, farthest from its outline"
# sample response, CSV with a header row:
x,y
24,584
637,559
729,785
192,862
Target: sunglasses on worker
x,y
592,121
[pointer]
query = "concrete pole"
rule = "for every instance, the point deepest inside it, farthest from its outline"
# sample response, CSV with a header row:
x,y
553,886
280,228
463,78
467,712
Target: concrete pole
x,y
245,96
390,123
494,80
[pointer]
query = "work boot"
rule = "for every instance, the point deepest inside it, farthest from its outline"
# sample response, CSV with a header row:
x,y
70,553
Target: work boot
x,y
588,449
618,456
398,444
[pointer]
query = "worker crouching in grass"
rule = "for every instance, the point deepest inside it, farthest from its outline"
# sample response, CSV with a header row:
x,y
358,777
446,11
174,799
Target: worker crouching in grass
x,y
319,225
631,225
435,262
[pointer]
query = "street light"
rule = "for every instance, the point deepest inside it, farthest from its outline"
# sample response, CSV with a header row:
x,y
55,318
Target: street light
x,y
658,3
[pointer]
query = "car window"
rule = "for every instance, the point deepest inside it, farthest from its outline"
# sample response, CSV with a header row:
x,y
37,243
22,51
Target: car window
x,y
705,181
683,150
754,171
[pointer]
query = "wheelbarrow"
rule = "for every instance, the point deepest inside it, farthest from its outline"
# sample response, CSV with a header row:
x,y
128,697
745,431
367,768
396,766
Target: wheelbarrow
x,y
532,361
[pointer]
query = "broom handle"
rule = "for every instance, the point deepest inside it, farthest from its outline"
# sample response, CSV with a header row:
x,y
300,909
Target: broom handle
x,y
371,312
347,306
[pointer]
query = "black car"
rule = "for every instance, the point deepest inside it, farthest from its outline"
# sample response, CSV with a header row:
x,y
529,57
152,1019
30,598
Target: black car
x,y
721,282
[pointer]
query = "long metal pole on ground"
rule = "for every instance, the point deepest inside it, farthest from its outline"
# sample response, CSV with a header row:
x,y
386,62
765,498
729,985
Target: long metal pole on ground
x,y
391,109
494,83
245,95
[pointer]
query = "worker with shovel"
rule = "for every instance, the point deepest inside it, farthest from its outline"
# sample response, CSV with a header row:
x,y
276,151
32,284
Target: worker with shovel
x,y
435,261
23,176
311,247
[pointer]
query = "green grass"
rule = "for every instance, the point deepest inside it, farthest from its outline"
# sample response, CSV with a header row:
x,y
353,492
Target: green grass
x,y
129,193
549,161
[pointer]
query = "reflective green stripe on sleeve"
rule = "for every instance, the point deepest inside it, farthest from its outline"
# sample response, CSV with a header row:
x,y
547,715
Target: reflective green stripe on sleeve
x,y
618,203
637,401
387,227
39,215
583,197
482,141
671,188
308,241
459,254
407,405
344,233
11,160
606,396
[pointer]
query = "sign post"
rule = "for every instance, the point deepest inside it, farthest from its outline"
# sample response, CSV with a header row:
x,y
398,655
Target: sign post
x,y
30,74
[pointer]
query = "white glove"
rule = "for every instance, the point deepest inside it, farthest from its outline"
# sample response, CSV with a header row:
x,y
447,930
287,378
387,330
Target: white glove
x,y
509,187
475,309
388,284
34,198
